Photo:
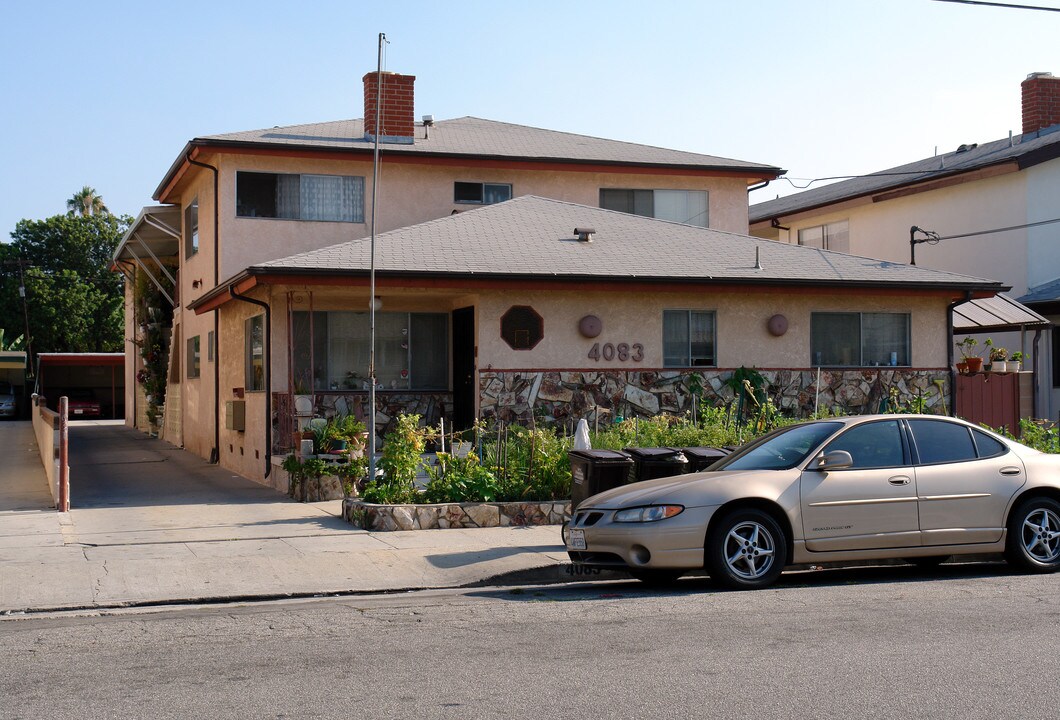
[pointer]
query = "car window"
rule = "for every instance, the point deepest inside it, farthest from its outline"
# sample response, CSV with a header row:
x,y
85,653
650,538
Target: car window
x,y
872,445
938,441
782,450
5,388
988,446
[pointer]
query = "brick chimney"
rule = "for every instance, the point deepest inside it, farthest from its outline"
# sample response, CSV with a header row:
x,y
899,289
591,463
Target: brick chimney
x,y
1041,101
396,117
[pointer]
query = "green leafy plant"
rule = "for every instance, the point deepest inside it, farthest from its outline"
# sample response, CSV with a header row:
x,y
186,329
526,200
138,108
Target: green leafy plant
x,y
967,347
1017,357
998,354
400,461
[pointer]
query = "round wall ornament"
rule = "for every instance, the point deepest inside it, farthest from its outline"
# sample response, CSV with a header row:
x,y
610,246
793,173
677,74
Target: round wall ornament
x,y
777,325
590,326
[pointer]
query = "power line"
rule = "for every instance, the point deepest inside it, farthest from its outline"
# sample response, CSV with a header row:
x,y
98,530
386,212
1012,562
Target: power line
x,y
1009,6
998,230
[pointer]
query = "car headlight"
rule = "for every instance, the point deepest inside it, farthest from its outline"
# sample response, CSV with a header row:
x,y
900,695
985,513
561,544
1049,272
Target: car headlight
x,y
648,514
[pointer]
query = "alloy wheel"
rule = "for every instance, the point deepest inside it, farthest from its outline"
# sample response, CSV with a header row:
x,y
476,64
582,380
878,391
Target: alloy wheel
x,y
1041,535
749,550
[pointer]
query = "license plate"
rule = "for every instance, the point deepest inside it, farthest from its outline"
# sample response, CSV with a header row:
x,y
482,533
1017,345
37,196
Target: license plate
x,y
576,540
78,412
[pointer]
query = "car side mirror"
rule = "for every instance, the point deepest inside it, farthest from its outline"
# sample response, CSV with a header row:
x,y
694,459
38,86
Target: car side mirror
x,y
835,460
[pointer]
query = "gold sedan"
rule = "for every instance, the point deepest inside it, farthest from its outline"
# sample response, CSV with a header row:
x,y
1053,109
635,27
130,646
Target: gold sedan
x,y
919,488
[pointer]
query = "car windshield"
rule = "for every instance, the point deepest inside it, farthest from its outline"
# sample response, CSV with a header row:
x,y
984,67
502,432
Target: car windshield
x,y
781,450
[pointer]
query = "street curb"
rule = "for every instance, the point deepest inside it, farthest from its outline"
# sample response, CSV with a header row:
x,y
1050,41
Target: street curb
x,y
545,575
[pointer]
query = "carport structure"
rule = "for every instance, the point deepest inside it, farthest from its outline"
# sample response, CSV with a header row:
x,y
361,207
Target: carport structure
x,y
103,374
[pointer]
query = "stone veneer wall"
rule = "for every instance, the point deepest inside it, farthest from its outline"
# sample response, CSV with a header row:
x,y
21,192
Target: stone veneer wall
x,y
556,396
454,515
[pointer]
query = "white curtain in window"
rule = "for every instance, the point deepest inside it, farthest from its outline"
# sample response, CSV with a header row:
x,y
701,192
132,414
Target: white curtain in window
x,y
332,197
683,206
837,236
812,237
287,196
347,363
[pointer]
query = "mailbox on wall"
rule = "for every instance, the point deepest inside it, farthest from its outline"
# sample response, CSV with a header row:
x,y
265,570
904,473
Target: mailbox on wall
x,y
236,415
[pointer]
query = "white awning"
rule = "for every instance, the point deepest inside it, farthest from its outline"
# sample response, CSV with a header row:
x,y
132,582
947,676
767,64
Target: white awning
x,y
152,238
995,314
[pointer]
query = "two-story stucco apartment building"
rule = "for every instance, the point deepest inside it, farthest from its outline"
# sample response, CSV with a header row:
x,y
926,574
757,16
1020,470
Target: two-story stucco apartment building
x,y
519,271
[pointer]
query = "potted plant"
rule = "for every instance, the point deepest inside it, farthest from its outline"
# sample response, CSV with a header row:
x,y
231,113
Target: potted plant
x,y
972,362
998,359
353,431
1016,360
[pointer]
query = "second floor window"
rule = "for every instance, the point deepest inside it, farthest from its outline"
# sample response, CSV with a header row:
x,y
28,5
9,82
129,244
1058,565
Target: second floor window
x,y
683,206
481,193
191,229
335,198
833,236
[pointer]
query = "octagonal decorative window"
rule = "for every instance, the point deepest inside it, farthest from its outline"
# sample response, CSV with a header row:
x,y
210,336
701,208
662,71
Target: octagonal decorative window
x,y
522,328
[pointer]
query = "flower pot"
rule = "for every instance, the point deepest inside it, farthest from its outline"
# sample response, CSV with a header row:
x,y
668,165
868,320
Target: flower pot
x,y
975,364
337,445
962,368
999,366
1015,365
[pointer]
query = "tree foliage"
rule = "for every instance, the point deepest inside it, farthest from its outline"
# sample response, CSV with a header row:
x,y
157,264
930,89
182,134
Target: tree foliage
x,y
75,303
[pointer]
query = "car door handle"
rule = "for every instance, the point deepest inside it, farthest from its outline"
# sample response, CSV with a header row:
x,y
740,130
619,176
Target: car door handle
x,y
899,480
1010,470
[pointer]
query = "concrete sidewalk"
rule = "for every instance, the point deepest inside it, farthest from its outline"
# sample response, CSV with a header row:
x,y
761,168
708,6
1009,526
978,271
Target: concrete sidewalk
x,y
150,523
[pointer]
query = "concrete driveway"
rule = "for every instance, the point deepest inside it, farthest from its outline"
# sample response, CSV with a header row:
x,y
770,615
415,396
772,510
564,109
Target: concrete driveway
x,y
150,523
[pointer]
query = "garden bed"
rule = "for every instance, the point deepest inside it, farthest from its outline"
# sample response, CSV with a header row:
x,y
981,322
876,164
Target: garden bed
x,y
442,516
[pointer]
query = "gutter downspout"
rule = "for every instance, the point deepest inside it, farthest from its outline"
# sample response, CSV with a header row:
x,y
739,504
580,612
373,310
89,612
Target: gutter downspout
x,y
268,372
949,350
1037,378
215,454
759,186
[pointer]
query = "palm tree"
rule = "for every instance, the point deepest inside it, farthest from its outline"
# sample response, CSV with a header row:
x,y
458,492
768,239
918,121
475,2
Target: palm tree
x,y
86,202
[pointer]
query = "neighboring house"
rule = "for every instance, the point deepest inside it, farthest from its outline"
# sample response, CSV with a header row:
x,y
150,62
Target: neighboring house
x,y
548,310
237,200
1009,183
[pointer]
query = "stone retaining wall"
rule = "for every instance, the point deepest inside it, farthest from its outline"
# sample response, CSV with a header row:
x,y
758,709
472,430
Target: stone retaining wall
x,y
453,515
556,396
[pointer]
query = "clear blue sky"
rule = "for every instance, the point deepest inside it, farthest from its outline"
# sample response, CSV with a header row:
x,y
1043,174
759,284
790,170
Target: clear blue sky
x,y
107,93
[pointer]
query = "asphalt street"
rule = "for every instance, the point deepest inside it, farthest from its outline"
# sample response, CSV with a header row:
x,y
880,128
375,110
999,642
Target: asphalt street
x,y
963,641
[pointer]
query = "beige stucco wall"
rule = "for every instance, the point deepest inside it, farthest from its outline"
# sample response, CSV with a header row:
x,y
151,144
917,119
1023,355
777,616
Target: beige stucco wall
x,y
415,193
742,337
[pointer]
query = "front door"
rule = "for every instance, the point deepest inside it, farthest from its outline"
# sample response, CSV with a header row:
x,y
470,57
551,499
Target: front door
x,y
873,503
465,383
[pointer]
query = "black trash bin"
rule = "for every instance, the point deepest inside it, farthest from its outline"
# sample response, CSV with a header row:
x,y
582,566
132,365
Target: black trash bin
x,y
700,458
593,471
650,463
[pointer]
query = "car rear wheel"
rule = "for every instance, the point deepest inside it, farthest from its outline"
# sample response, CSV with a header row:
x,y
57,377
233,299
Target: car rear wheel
x,y
656,576
1034,536
746,550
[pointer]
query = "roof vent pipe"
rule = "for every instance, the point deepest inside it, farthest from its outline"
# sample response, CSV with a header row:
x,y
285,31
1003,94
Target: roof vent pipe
x,y
758,258
585,234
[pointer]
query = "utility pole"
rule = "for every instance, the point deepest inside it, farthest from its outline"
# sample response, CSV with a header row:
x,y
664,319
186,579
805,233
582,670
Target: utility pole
x,y
22,264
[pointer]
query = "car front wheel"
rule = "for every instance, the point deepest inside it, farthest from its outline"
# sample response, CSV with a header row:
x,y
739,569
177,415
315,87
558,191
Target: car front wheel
x,y
1034,536
746,550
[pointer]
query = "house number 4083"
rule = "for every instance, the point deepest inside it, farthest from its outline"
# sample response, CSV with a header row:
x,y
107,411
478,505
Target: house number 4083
x,y
623,352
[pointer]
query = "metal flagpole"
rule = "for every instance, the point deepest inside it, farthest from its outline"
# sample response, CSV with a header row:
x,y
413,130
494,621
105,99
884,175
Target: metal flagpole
x,y
371,273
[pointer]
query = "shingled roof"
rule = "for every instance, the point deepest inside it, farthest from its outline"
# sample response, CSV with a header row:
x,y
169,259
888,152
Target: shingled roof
x,y
1025,150
532,238
471,137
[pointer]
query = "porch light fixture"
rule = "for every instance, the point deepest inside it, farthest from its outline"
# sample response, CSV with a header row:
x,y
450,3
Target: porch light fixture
x,y
377,303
